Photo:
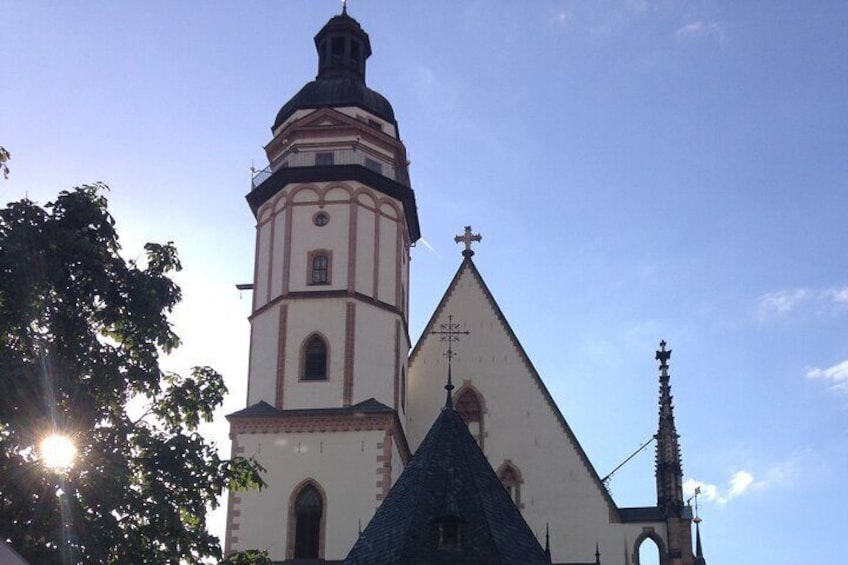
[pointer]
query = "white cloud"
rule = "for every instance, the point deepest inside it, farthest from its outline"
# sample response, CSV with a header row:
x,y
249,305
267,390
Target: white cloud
x,y
701,29
824,300
838,296
744,481
782,301
739,483
836,376
560,17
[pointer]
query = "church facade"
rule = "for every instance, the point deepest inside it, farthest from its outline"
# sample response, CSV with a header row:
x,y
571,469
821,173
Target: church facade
x,y
338,406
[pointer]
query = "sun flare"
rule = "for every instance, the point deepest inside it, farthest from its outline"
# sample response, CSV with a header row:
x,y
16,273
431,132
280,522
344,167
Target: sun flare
x,y
58,452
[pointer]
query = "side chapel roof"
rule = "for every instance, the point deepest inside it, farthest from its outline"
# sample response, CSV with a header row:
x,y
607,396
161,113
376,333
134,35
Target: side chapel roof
x,y
447,476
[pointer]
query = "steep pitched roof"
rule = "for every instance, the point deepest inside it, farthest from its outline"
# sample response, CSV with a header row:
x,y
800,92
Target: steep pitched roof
x,y
468,265
447,476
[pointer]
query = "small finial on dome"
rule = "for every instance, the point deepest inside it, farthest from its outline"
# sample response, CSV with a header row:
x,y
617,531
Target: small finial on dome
x,y
344,7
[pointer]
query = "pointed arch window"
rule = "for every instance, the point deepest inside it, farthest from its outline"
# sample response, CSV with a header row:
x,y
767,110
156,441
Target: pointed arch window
x,y
511,479
315,359
469,404
308,511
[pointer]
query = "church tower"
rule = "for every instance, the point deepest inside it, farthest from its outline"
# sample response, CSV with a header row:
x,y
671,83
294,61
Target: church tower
x,y
335,220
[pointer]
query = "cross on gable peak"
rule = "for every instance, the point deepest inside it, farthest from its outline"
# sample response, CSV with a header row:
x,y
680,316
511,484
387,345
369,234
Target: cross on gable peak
x,y
468,238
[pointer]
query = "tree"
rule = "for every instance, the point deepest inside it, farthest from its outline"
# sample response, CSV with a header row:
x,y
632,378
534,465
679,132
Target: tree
x,y
4,158
81,333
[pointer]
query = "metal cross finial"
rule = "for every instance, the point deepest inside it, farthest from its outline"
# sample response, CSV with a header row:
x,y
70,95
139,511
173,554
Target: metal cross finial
x,y
662,355
344,6
450,333
468,238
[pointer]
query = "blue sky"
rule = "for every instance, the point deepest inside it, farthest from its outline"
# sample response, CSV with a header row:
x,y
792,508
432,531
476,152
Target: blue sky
x,y
639,170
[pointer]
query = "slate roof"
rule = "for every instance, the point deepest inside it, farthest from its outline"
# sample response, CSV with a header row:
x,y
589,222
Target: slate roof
x,y
334,93
448,474
338,83
263,409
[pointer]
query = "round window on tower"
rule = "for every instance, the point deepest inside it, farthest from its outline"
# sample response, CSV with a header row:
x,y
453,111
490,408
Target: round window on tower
x,y
321,219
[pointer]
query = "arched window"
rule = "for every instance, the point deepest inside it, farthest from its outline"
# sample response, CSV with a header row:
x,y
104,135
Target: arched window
x,y
319,267
308,509
315,360
511,479
649,548
469,404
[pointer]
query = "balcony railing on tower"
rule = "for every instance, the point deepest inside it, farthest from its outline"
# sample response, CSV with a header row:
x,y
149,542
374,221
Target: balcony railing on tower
x,y
295,158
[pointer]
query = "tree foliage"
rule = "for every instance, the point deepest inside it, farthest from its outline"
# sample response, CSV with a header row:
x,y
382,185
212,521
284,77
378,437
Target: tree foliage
x,y
81,333
4,158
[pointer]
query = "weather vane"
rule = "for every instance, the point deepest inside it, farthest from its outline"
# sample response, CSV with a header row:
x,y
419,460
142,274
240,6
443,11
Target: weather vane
x,y
468,238
663,355
449,333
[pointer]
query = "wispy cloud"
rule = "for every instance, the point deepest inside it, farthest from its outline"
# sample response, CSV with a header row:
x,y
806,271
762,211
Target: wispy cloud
x,y
746,481
739,483
636,5
560,17
838,295
781,302
701,30
836,376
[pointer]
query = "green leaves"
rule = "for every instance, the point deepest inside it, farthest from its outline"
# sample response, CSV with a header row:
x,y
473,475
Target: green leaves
x,y
81,332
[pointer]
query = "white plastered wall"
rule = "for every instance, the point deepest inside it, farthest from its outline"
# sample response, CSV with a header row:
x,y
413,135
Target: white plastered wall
x,y
343,464
286,231
521,426
374,354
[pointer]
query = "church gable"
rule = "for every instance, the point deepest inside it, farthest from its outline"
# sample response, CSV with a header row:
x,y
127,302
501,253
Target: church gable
x,y
520,428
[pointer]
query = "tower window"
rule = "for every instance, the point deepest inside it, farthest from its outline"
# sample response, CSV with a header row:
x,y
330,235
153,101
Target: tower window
x,y
321,219
324,159
319,266
315,360
354,53
337,47
308,509
322,54
374,165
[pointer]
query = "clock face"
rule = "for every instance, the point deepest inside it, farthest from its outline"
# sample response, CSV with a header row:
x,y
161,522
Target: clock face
x,y
321,219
